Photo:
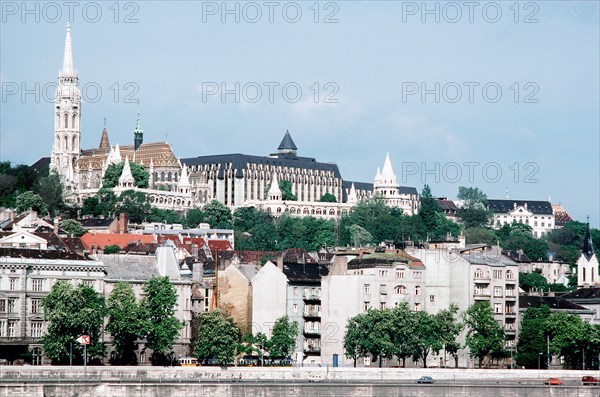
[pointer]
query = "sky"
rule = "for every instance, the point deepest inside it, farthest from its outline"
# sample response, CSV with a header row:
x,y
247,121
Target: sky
x,y
500,95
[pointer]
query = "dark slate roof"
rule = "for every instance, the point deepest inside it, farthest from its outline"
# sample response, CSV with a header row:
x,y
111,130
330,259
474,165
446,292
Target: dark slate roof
x,y
553,302
41,164
377,259
297,255
306,273
447,205
518,256
357,185
408,190
239,162
588,244
287,143
39,254
507,205
95,222
583,294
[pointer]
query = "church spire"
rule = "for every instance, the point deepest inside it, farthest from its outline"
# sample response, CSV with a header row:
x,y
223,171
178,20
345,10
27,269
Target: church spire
x,y
588,244
138,133
287,145
68,69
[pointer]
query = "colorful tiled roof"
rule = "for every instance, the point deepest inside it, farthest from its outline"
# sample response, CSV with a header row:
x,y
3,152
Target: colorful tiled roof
x,y
101,240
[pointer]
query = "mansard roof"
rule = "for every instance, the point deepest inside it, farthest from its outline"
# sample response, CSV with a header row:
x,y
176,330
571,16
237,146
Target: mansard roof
x,y
306,273
507,205
239,162
39,254
385,259
581,294
553,302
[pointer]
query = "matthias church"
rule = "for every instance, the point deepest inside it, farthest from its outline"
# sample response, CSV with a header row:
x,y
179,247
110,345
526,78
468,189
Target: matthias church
x,y
236,180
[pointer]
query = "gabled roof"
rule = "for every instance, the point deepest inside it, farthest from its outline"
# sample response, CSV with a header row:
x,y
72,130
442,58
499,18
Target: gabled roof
x,y
507,205
287,143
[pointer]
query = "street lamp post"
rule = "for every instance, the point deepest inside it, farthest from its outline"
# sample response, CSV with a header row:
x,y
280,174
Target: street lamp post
x,y
539,358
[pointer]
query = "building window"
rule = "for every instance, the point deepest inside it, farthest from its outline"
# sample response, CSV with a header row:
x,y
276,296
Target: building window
x,y
11,305
383,273
88,283
12,329
509,275
295,290
36,306
36,329
37,284
498,274
498,308
431,298
400,290
478,273
13,283
2,305
498,291
295,308
417,307
400,273
367,288
417,290
366,306
418,275
382,305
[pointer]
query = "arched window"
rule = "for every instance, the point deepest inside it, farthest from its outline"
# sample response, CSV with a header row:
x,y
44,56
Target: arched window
x,y
66,121
509,275
400,290
73,121
478,273
65,143
74,143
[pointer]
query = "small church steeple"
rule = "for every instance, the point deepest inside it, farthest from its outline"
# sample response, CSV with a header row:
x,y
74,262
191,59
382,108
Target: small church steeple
x,y
587,264
588,244
138,133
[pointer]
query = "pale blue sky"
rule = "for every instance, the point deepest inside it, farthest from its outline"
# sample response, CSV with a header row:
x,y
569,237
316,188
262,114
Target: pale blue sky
x,y
374,53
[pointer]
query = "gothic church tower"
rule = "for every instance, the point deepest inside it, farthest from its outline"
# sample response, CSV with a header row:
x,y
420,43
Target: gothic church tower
x,y
587,265
67,114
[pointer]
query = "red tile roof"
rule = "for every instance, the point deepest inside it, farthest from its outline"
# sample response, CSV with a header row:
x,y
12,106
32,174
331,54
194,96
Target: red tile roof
x,y
101,240
221,245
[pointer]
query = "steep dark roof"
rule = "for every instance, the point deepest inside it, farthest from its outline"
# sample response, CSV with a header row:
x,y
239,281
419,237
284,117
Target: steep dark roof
x,y
517,256
553,302
41,164
370,260
588,244
447,205
95,222
297,255
39,254
583,294
357,185
298,272
239,162
507,205
287,143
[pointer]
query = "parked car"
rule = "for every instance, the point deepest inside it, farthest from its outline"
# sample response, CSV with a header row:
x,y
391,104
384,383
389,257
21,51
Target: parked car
x,y
590,380
425,379
553,382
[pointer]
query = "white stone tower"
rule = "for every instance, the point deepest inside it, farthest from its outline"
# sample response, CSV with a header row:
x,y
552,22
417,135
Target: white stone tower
x,y
385,182
67,115
587,265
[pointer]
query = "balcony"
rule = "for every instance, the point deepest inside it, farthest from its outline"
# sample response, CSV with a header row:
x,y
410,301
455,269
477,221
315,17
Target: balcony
x,y
480,294
312,313
312,297
510,314
510,296
312,349
509,329
482,279
311,332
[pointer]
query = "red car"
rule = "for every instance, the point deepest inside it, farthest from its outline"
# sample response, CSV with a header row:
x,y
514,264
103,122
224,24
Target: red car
x,y
553,382
590,380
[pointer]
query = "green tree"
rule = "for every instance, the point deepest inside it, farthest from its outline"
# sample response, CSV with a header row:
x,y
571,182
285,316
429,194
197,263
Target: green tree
x,y
376,335
218,215
286,191
135,204
72,228
166,216
427,336
532,338
194,217
162,326
448,330
125,323
50,189
328,198
72,312
484,335
283,337
354,337
480,235
217,337
112,249
532,282
360,236
31,201
572,338
429,209
113,173
403,338
474,212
